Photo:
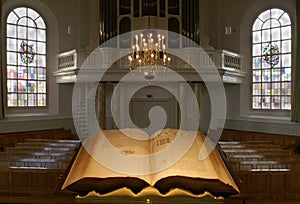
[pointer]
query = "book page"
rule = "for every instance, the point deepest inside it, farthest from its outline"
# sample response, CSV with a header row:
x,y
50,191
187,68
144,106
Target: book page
x,y
188,165
88,163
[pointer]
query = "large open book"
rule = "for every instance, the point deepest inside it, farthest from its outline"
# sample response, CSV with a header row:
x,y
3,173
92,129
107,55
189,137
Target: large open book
x,y
188,173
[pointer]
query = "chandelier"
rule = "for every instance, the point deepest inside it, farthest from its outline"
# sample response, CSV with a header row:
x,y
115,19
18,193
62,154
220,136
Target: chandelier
x,y
149,55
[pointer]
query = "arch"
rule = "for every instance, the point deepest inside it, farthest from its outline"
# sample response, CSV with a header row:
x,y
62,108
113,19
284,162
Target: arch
x,y
246,50
271,55
26,59
52,50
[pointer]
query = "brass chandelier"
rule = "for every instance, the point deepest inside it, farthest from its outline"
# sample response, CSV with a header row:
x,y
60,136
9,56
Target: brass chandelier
x,y
149,55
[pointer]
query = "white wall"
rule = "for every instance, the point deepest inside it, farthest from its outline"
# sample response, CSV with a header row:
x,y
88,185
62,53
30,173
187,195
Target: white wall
x,y
82,17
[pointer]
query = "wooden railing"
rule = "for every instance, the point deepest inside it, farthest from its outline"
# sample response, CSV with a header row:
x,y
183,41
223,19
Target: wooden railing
x,y
227,62
224,59
67,60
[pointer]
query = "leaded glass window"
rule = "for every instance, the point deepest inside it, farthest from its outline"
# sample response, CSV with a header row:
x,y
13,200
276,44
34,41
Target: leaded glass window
x,y
272,61
26,59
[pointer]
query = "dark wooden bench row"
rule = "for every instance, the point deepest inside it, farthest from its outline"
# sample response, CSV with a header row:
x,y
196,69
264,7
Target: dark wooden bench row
x,y
11,139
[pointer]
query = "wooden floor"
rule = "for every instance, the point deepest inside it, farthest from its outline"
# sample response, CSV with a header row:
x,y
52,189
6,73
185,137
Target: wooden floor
x,y
33,166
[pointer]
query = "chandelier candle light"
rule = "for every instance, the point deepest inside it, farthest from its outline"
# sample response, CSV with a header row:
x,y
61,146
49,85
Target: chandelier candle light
x,y
147,55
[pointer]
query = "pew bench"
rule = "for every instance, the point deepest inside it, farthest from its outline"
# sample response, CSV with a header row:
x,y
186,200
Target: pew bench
x,y
39,149
39,163
37,155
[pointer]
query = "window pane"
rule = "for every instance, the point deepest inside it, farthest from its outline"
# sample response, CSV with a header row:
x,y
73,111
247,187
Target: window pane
x,y
257,25
286,88
22,73
21,12
266,89
266,75
11,44
41,35
256,50
12,86
257,37
31,34
12,18
265,15
11,72
32,14
286,74
32,73
286,32
32,87
11,58
266,36
32,100
11,31
41,48
40,23
286,103
275,103
41,74
41,86
41,60
41,99
22,32
266,102
276,75
275,23
12,100
276,13
256,89
256,75
286,46
285,20
256,62
276,89
27,52
256,102
267,25
275,34
22,86
23,21
31,23
286,60
22,100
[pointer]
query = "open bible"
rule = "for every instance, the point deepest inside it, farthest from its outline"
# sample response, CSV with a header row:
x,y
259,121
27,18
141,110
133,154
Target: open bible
x,y
188,172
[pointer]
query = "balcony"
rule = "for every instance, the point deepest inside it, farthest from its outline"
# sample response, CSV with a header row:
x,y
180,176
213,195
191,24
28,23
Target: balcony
x,y
228,64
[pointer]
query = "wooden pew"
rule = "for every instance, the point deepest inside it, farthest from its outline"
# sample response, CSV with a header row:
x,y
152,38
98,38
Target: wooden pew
x,y
32,185
34,163
10,139
52,140
37,155
39,149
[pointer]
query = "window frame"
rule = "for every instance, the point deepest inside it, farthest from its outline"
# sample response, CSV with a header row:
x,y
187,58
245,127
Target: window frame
x,y
24,109
261,43
245,111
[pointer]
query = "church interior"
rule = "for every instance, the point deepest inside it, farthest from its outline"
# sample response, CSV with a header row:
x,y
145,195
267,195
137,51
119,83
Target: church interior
x,y
63,69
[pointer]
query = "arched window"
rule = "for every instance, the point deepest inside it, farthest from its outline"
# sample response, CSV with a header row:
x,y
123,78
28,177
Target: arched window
x,y
271,61
26,59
